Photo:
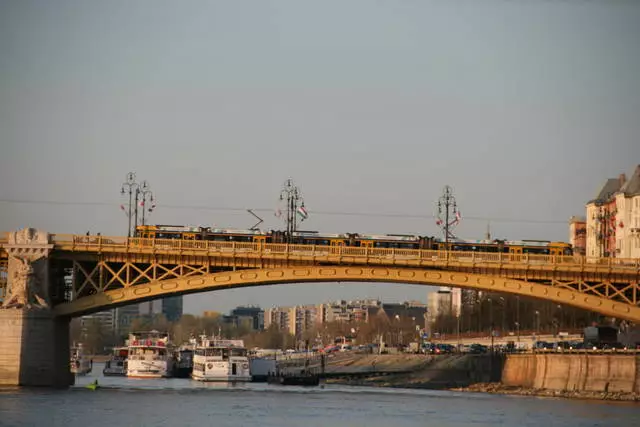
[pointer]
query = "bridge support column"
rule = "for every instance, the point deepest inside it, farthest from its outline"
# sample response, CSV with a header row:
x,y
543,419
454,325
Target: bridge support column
x,y
34,345
34,349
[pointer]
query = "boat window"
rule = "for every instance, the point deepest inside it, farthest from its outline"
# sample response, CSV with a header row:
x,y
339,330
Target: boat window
x,y
214,352
241,352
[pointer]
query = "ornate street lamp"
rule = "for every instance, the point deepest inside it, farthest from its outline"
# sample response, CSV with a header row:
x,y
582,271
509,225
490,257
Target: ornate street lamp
x,y
139,194
130,186
146,196
292,195
448,216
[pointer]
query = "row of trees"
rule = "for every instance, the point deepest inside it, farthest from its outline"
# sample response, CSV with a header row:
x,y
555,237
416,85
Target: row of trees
x,y
482,313
97,339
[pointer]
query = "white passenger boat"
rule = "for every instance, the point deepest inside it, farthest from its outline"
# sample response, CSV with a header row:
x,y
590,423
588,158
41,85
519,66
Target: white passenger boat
x,y
150,355
80,363
117,365
220,360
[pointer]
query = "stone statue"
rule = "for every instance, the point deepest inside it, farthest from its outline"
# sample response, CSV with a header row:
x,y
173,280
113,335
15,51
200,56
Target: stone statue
x,y
28,236
23,290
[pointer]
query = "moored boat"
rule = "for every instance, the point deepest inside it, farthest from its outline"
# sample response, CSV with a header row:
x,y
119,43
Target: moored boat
x,y
262,368
150,355
220,360
80,363
116,366
302,380
183,364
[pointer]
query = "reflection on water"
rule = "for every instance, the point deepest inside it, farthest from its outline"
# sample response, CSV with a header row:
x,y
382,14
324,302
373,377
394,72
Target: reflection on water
x,y
182,402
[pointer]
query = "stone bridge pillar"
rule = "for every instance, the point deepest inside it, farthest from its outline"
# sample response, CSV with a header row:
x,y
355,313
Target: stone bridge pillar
x,y
34,345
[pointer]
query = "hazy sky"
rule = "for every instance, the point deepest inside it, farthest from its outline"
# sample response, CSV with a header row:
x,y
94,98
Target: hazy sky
x,y
524,107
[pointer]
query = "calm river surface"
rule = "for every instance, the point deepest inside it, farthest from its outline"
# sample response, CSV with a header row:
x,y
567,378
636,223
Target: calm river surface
x,y
184,403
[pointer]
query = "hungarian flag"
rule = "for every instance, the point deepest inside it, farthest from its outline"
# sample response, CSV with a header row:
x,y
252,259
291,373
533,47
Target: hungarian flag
x,y
303,213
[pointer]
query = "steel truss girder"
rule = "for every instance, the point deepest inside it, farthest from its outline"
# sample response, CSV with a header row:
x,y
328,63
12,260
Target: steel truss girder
x,y
110,271
99,276
575,293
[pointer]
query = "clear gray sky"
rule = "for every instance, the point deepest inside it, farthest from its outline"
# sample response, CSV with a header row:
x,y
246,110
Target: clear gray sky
x,y
525,107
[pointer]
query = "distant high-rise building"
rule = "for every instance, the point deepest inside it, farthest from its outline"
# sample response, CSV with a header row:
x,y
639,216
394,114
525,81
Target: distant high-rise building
x,y
578,234
277,317
150,308
252,316
302,318
124,316
172,308
345,311
444,302
105,318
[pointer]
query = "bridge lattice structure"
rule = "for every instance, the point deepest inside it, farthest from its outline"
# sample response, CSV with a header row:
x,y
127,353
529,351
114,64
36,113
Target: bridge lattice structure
x,y
93,273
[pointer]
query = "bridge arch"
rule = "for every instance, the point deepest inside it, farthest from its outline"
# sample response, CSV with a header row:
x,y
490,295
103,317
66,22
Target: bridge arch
x,y
308,274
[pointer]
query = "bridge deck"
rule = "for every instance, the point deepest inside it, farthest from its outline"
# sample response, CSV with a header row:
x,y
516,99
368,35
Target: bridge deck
x,y
143,249
115,270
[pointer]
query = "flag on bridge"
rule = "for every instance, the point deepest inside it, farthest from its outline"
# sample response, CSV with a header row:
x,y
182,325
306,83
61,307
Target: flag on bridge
x,y
302,212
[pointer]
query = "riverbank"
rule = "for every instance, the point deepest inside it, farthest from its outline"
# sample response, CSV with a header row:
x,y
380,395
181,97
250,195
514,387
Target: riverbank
x,y
410,381
497,388
463,373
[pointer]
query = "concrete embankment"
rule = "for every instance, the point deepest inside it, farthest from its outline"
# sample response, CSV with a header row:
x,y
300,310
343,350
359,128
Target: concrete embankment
x,y
583,376
573,372
421,371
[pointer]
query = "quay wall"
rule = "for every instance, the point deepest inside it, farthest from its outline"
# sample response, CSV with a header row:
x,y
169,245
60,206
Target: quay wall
x,y
573,372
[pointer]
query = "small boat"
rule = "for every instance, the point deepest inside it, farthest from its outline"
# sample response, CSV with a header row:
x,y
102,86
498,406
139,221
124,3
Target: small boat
x,y
80,364
261,368
301,380
220,360
93,386
150,355
117,365
183,363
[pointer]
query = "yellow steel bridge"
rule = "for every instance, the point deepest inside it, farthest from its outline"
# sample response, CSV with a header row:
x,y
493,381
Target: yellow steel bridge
x,y
111,271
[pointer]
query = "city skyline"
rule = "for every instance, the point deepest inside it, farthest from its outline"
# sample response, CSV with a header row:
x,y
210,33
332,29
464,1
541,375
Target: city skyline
x,y
523,108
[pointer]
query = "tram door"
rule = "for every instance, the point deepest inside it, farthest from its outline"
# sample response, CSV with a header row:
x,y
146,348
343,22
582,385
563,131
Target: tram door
x,y
555,251
515,253
336,245
366,244
259,242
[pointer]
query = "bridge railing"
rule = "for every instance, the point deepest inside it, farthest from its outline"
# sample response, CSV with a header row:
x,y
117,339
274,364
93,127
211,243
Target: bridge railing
x,y
278,250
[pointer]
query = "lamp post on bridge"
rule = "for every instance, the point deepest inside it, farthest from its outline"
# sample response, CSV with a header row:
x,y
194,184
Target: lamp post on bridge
x,y
448,214
145,196
292,195
130,186
139,194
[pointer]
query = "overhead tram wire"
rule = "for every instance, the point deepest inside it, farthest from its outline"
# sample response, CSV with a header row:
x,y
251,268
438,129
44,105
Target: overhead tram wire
x,y
314,212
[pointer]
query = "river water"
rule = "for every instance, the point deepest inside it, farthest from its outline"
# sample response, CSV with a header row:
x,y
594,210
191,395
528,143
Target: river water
x,y
183,403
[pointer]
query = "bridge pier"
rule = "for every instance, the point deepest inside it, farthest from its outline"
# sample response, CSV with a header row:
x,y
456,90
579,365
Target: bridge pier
x,y
34,344
34,349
